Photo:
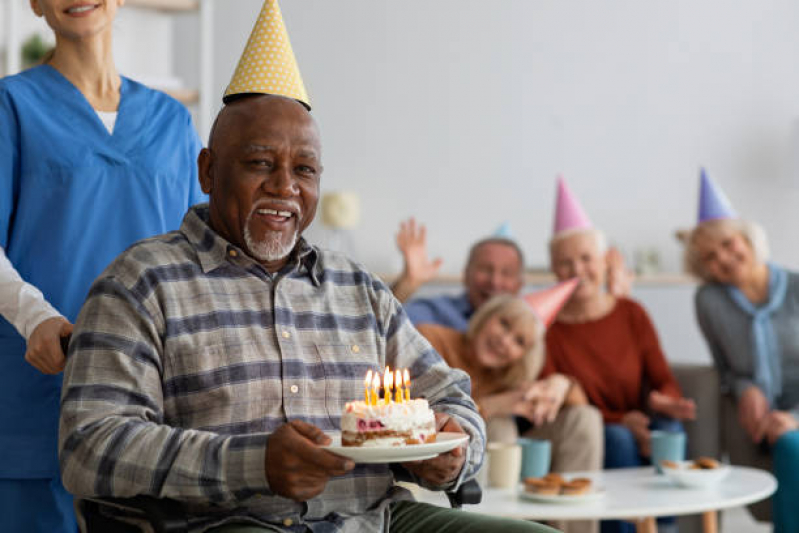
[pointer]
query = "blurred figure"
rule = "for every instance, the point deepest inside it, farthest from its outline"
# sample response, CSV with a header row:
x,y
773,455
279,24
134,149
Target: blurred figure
x,y
748,311
503,353
609,345
90,162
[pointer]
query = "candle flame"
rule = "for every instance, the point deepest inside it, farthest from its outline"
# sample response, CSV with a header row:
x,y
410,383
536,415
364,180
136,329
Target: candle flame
x,y
376,381
386,375
397,378
407,379
368,379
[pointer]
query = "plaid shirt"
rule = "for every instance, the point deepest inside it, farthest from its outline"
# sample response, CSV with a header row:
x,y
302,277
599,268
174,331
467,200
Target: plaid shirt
x,y
187,354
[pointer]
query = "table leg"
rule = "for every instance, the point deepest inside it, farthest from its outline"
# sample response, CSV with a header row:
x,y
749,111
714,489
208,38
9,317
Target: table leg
x,y
646,525
710,522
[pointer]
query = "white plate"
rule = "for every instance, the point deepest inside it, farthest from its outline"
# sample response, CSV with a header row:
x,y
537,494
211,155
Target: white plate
x,y
398,454
590,496
695,478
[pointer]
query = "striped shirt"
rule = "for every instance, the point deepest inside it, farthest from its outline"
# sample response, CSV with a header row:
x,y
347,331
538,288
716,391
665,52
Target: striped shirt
x,y
187,354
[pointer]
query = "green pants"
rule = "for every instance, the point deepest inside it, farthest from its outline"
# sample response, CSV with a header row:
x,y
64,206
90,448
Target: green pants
x,y
415,517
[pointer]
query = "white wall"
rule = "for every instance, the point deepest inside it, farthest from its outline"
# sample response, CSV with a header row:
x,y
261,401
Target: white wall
x,y
462,112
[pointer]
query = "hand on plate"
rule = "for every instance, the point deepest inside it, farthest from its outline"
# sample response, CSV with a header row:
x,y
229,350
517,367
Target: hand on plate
x,y
445,467
296,466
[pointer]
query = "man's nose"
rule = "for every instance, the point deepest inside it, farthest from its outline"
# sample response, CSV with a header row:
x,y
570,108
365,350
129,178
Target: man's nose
x,y
281,182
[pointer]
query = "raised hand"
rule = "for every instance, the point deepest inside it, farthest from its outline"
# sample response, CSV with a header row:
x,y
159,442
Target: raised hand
x,y
546,397
296,466
412,242
44,345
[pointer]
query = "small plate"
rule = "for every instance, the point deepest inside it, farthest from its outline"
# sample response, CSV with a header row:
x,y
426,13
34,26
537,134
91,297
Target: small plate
x,y
590,496
445,442
695,478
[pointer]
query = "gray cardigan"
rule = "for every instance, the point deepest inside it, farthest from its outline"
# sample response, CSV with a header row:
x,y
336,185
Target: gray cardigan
x,y
728,332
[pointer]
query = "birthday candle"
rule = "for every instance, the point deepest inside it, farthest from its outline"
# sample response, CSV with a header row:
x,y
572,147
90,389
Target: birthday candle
x,y
366,383
398,385
375,388
388,377
407,381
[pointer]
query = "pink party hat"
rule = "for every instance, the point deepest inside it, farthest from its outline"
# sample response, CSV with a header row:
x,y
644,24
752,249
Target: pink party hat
x,y
713,203
568,212
547,302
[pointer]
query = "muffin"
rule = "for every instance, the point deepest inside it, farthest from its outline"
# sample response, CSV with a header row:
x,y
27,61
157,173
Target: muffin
x,y
707,463
576,486
541,486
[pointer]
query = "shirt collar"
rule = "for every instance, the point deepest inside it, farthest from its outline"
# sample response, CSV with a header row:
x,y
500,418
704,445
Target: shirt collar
x,y
214,251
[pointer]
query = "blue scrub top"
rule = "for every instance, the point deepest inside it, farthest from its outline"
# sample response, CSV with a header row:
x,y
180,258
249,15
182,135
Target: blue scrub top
x,y
73,197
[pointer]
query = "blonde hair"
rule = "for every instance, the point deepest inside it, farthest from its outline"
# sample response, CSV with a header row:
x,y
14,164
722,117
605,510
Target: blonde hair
x,y
529,365
753,234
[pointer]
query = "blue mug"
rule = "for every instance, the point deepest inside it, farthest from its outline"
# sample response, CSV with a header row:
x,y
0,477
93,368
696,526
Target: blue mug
x,y
666,445
536,455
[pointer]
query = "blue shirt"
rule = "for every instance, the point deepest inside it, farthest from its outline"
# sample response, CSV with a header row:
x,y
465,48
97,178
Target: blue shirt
x,y
72,197
449,311
188,354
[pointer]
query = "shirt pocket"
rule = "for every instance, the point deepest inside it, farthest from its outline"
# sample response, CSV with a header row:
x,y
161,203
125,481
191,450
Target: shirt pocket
x,y
228,388
345,367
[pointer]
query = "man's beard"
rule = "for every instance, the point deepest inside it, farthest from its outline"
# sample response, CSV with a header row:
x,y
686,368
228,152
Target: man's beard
x,y
273,247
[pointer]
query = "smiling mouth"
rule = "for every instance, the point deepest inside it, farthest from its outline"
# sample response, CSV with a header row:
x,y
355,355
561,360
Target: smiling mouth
x,y
81,9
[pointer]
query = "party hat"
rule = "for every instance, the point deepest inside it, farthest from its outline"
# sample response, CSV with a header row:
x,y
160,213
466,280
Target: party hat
x,y
267,65
568,212
713,203
503,231
547,302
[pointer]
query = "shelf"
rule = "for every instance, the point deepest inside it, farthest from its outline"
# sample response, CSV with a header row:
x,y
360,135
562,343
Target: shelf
x,y
165,5
184,96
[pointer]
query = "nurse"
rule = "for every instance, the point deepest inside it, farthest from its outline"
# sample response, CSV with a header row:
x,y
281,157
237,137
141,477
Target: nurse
x,y
90,162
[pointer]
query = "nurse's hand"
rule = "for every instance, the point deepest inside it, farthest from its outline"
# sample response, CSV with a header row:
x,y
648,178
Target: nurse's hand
x,y
44,345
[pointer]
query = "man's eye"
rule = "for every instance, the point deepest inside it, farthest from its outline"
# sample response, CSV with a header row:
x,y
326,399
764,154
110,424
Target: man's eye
x,y
261,162
304,169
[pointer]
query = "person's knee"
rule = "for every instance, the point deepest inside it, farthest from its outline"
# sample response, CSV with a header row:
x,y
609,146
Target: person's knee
x,y
620,447
583,422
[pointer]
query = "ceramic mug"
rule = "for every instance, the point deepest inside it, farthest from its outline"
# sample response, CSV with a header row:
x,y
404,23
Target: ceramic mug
x,y
666,445
504,464
536,456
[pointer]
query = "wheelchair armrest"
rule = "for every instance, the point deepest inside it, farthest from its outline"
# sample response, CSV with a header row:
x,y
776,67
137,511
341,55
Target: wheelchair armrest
x,y
468,493
163,514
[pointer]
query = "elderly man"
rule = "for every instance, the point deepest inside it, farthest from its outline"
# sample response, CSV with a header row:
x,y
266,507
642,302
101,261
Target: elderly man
x,y
208,365
495,266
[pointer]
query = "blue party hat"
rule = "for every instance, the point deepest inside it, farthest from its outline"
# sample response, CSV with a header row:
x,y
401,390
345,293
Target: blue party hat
x,y
713,204
503,231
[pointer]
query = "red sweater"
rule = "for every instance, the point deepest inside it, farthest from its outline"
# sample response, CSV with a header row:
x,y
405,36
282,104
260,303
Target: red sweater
x,y
612,358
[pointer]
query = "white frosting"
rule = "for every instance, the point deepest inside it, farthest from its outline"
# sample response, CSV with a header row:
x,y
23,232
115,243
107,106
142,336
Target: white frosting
x,y
401,417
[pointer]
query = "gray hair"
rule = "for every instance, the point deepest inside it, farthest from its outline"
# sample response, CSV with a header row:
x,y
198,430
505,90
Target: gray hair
x,y
600,239
754,234
529,366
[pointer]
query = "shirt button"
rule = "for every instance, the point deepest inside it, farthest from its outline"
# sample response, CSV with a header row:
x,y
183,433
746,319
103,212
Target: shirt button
x,y
233,253
294,389
356,348
286,334
288,522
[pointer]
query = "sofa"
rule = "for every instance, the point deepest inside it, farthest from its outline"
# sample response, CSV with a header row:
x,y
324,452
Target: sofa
x,y
715,432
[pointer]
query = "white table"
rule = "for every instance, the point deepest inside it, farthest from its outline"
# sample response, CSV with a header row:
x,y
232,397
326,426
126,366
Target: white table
x,y
632,493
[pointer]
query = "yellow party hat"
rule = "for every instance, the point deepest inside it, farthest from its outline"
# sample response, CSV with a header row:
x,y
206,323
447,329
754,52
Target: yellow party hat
x,y
267,65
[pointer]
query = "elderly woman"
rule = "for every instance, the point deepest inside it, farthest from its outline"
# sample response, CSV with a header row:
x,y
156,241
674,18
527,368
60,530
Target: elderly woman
x,y
90,162
748,311
503,352
609,345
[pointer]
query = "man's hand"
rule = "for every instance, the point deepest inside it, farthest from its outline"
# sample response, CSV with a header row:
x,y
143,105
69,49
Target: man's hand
x,y
619,277
638,423
677,408
752,411
44,345
444,468
296,467
412,242
776,423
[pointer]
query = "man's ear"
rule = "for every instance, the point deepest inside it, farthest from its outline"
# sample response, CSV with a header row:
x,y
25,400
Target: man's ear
x,y
37,9
205,170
